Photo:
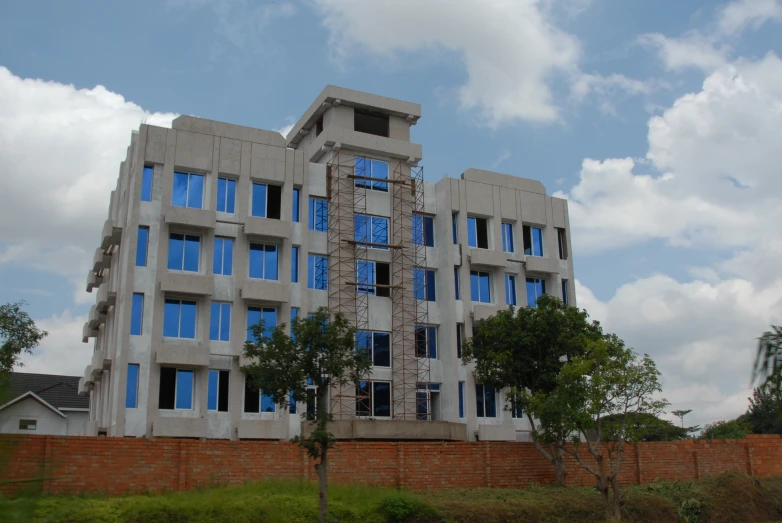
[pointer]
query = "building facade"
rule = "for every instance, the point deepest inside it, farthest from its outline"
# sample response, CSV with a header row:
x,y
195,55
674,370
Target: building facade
x,y
214,226
43,404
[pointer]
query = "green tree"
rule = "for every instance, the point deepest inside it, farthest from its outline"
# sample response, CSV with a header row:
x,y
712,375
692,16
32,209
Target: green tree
x,y
321,350
680,414
523,350
653,428
733,429
768,362
601,392
18,335
764,414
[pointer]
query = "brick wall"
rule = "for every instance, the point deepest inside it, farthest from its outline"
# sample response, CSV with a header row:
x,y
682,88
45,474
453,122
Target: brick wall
x,y
122,465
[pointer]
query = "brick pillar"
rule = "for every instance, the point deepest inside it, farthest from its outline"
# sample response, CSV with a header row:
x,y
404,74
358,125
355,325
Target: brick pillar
x,y
182,465
638,463
487,464
47,465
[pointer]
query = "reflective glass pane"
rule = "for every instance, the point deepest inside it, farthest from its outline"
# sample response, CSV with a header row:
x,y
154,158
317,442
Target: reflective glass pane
x,y
431,338
269,317
380,170
131,390
479,406
294,264
361,228
228,256
472,234
187,323
214,321
256,260
253,317
221,188
540,288
141,246
537,241
381,349
230,195
146,184
418,229
217,259
419,284
381,399
176,249
475,286
171,319
430,286
461,399
195,193
380,230
485,292
490,398
267,403
429,231
363,169
295,209
270,267
259,200
454,229
179,192
456,283
137,314
192,253
184,389
225,322
211,390
531,296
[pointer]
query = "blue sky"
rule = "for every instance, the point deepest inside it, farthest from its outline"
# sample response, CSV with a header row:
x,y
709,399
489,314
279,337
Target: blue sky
x,y
659,121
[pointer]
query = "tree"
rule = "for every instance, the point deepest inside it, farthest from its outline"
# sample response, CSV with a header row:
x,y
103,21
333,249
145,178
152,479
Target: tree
x,y
18,334
680,414
768,362
601,392
523,350
321,351
733,429
764,414
652,428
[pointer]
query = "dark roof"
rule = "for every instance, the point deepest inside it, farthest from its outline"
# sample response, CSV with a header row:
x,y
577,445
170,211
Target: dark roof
x,y
59,391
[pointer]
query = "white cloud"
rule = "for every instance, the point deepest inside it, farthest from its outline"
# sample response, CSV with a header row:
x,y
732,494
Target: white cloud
x,y
738,16
62,147
504,155
62,351
692,50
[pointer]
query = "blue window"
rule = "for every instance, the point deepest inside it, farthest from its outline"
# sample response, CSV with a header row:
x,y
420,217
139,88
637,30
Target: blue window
x,y
179,319
137,314
142,243
477,232
295,208
255,315
533,240
184,251
457,295
188,190
426,341
291,404
263,261
480,288
565,297
459,336
423,230
515,409
317,272
510,289
535,289
461,399
220,321
217,390
226,195
423,284
485,401
370,230
454,227
507,237
223,256
146,184
267,403
318,214
259,200
365,277
184,389
377,345
294,264
373,398
376,169
131,389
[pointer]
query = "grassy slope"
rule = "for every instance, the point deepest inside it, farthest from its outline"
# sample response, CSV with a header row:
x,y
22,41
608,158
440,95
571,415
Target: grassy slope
x,y
725,498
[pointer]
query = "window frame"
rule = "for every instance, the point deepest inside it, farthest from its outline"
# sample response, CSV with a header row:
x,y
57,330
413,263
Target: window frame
x,y
135,380
473,232
147,179
429,289
228,197
479,274
221,307
565,291
185,238
263,310
372,396
191,372
461,400
221,398
25,424
265,249
531,233
534,281
190,176
507,237
370,224
296,205
562,243
480,406
510,289
372,185
456,284
421,227
181,301
223,241
295,250
318,207
370,335
137,308
430,341
142,247
312,268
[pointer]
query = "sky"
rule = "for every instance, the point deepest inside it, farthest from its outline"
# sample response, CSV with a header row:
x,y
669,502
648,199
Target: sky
x,y
660,122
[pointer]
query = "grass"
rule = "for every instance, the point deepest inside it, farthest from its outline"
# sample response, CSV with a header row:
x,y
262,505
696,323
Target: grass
x,y
724,498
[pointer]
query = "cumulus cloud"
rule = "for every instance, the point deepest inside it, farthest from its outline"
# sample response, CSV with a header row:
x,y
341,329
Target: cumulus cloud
x,y
692,50
62,351
62,147
738,16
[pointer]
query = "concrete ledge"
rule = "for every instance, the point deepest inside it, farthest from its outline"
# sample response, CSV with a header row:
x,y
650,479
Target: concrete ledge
x,y
365,143
110,235
105,297
265,290
481,312
200,218
184,283
263,429
227,130
93,280
540,264
178,427
100,260
188,355
100,361
504,180
85,386
95,317
393,429
88,332
266,228
496,433
488,258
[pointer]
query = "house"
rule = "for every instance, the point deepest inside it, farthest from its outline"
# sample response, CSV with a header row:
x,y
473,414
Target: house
x,y
43,404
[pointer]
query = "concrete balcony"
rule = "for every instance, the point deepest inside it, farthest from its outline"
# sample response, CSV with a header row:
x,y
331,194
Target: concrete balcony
x,y
265,290
88,332
186,283
200,218
364,143
110,235
186,355
93,280
99,364
540,264
392,429
95,317
85,386
263,429
100,261
178,427
266,228
106,298
483,311
488,258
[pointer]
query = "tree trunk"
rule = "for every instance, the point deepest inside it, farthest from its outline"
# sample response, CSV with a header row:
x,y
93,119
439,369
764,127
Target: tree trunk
x,y
323,496
616,502
558,458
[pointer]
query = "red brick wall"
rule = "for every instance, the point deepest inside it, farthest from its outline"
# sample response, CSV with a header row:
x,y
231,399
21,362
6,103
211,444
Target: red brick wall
x,y
123,465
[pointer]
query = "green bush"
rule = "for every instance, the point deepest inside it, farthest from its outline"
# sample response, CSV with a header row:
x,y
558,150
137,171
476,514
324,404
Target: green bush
x,y
399,507
690,511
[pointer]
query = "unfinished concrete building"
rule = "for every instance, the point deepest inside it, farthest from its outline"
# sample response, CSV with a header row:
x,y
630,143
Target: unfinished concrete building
x,y
215,226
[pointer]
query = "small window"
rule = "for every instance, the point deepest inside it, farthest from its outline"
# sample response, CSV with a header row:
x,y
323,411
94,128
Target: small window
x,y
257,314
515,409
377,346
319,126
373,399
370,231
533,241
370,122
536,288
455,228
131,387
480,287
459,337
295,264
220,321
318,214
176,389
565,292
510,289
383,279
137,314
426,341
267,200
256,400
461,399
375,170
146,184
424,284
142,245
295,207
179,319
188,190
457,294
477,232
485,401
184,252
222,262
226,195
317,272
28,424
507,237
217,391
562,242
263,261
423,230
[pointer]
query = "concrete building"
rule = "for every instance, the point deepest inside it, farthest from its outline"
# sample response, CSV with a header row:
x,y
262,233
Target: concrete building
x,y
43,404
214,226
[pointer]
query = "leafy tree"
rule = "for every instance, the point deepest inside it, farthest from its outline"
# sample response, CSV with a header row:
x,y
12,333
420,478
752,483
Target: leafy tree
x,y
764,414
768,362
18,334
320,350
601,392
652,428
733,429
680,414
523,350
